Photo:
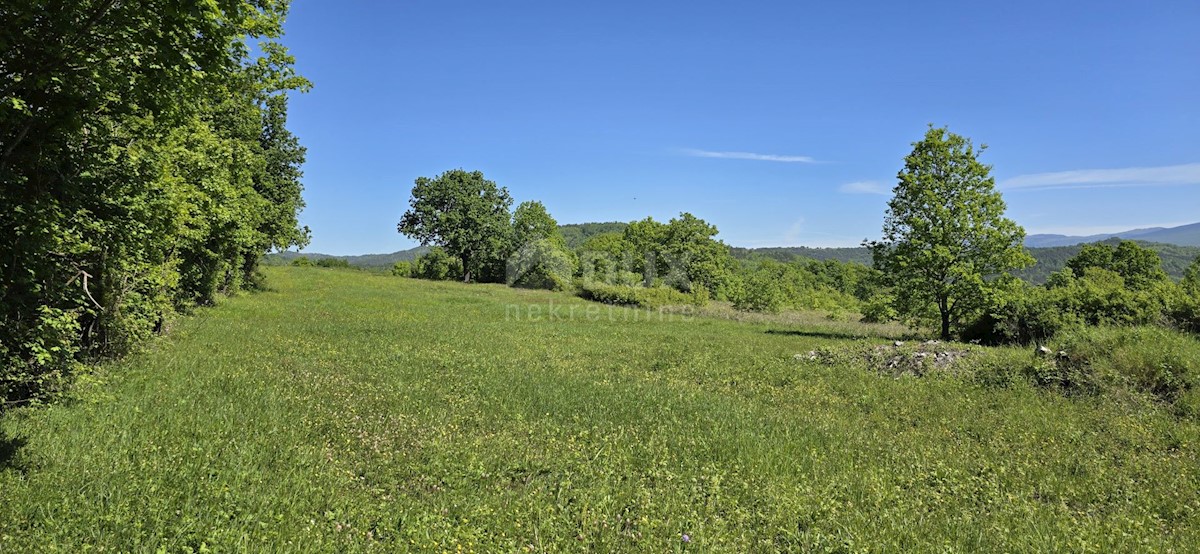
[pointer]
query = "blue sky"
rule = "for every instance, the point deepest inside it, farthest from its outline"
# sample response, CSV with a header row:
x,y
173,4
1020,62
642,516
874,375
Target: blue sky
x,y
782,123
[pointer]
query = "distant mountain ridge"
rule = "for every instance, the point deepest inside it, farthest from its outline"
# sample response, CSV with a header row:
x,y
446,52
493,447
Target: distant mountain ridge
x,y
365,260
1184,235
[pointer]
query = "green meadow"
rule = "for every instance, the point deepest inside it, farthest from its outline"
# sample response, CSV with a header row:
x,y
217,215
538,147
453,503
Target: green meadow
x,y
343,411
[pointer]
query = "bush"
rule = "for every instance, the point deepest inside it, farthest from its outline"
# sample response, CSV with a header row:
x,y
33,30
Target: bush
x,y
333,263
402,269
1100,297
772,286
878,309
541,264
437,265
758,293
1147,360
651,297
302,261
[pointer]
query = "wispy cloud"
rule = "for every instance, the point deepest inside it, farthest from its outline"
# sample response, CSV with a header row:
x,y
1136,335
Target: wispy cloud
x,y
747,156
865,187
794,231
1186,174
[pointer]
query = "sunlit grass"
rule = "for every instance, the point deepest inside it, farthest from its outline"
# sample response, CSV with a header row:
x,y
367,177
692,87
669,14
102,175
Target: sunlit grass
x,y
345,411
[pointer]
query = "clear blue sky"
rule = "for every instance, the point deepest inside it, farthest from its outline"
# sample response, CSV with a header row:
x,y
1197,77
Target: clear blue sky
x,y
783,123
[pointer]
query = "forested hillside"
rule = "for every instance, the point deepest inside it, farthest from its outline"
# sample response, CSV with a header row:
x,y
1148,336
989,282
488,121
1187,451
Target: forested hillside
x,y
578,233
1175,259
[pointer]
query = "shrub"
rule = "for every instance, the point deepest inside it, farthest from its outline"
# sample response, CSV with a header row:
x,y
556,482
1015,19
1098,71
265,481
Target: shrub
x,y
333,262
759,292
437,265
878,309
402,269
645,297
541,264
1148,360
302,261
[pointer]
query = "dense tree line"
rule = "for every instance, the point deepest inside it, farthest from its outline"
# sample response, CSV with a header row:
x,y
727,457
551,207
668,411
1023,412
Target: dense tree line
x,y
466,220
145,164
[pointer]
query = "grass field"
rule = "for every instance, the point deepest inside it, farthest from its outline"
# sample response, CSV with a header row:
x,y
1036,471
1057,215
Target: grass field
x,y
344,411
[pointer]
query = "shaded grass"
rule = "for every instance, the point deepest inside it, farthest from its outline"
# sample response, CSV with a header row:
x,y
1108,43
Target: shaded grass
x,y
345,411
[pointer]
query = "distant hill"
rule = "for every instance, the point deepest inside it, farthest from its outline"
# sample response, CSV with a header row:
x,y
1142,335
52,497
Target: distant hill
x,y
1177,246
788,253
578,233
365,260
1175,258
1184,235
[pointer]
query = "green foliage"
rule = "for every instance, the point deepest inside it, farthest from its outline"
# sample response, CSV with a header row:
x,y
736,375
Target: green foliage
x,y
576,234
145,167
681,253
879,309
532,223
1138,267
944,232
770,286
1027,314
302,261
1146,360
403,269
333,262
541,264
465,214
437,265
758,292
604,257
644,297
1191,279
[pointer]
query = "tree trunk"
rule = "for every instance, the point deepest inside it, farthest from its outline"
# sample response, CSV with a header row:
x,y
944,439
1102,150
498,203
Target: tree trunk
x,y
945,310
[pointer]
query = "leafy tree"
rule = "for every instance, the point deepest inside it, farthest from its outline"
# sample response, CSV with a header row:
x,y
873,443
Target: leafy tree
x,y
531,222
145,165
1139,267
1191,279
682,252
465,214
604,257
540,258
541,264
945,232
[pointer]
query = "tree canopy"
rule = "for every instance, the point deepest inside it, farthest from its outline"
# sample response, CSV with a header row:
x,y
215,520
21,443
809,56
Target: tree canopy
x,y
465,214
945,233
145,166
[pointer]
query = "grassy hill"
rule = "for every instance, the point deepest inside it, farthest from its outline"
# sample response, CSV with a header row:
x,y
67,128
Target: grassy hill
x,y
345,411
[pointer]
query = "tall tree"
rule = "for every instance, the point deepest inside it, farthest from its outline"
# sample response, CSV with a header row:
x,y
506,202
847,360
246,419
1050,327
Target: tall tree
x,y
945,232
465,214
144,165
531,222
